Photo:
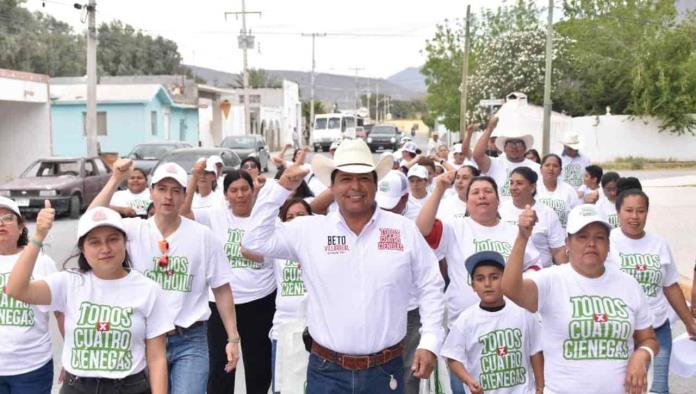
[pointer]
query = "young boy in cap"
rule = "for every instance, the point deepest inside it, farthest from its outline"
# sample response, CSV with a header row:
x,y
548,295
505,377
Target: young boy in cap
x,y
492,347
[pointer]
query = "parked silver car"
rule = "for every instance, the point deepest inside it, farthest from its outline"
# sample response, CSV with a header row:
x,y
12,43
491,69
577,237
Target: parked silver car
x,y
249,145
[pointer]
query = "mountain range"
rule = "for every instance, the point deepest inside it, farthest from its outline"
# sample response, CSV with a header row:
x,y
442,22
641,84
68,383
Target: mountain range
x,y
407,84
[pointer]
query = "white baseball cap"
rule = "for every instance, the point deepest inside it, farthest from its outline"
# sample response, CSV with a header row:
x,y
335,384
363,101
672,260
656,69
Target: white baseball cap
x,y
215,159
410,147
98,217
457,148
584,214
10,204
170,170
210,165
418,171
391,188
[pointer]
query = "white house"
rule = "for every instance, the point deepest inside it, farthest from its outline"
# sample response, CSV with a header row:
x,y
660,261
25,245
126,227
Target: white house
x,y
25,126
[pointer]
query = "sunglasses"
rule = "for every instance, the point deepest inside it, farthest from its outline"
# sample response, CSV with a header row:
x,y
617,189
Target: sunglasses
x,y
164,248
8,218
249,166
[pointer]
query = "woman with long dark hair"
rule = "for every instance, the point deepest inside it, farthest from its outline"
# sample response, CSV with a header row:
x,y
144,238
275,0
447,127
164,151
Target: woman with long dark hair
x,y
253,285
111,337
552,191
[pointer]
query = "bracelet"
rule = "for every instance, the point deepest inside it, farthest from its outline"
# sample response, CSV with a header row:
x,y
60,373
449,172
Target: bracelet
x,y
650,352
233,340
36,243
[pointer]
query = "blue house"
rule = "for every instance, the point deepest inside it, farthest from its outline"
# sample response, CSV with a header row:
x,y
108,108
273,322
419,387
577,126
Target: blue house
x,y
127,115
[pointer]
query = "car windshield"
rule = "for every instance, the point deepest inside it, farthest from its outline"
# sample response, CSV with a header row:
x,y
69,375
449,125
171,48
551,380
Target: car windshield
x,y
52,169
335,123
382,130
240,143
350,122
149,152
320,123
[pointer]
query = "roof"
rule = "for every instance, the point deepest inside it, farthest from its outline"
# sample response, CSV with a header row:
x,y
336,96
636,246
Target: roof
x,y
112,94
24,76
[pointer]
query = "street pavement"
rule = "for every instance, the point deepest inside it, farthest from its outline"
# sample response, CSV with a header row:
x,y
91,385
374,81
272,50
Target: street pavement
x,y
672,215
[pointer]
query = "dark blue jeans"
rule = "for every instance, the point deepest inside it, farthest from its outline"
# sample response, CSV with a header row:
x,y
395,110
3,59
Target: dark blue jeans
x,y
38,381
324,377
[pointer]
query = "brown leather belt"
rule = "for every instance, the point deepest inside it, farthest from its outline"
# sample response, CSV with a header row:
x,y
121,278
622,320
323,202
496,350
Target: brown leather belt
x,y
357,363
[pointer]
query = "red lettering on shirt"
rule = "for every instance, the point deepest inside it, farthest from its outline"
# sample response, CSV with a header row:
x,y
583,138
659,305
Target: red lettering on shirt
x,y
103,326
390,239
600,317
502,351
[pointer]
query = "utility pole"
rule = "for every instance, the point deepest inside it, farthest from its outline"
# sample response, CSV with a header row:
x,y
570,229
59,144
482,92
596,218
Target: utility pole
x,y
546,145
311,83
465,75
245,42
377,102
357,97
91,116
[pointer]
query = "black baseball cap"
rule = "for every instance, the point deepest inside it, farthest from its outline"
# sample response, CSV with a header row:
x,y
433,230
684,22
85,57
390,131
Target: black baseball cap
x,y
488,257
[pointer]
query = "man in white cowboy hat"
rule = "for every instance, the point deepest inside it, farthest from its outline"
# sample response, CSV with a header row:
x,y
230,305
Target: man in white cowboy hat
x,y
574,162
513,145
361,266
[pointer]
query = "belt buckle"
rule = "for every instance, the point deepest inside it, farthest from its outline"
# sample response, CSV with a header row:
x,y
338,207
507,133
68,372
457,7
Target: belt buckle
x,y
355,363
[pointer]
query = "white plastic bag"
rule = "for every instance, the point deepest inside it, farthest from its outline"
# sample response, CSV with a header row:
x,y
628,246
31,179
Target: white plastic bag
x,y
439,380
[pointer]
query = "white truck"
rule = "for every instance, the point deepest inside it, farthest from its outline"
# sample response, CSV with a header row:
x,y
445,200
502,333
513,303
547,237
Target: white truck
x,y
329,128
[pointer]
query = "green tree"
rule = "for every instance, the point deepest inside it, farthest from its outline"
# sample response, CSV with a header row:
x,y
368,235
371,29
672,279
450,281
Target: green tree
x,y
318,109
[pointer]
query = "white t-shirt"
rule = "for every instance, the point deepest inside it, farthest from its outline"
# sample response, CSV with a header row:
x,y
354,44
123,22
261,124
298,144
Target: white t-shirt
x,y
107,322
127,199
413,206
213,199
547,233
495,347
250,280
584,190
291,292
649,260
462,238
608,208
451,208
196,262
25,344
500,170
573,168
562,200
588,328
466,162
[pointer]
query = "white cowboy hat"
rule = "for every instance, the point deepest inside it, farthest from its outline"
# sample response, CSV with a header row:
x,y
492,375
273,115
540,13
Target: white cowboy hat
x,y
571,141
352,156
502,139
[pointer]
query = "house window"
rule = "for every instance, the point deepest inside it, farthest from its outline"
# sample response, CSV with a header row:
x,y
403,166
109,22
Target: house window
x,y
101,123
153,122
255,98
182,130
241,99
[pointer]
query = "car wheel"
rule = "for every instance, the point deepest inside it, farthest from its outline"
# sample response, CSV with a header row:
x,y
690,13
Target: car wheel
x,y
75,206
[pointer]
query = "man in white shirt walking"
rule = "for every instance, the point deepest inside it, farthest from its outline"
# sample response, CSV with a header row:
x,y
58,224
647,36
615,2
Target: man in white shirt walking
x,y
361,265
574,162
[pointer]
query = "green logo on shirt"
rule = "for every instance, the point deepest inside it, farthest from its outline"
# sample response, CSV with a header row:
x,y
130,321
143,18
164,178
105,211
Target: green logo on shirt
x,y
173,276
502,361
573,175
102,339
292,284
12,312
646,268
505,191
501,247
599,329
613,220
138,205
559,206
233,250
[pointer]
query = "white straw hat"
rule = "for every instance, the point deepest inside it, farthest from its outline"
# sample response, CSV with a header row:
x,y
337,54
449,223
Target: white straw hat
x,y
352,156
572,141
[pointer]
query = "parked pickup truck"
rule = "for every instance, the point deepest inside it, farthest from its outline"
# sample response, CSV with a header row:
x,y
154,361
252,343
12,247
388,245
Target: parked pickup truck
x,y
69,183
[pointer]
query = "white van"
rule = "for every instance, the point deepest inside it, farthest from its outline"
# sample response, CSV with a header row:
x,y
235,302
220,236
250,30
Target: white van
x,y
329,128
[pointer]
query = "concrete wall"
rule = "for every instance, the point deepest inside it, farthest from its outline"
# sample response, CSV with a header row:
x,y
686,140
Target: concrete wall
x,y
607,137
25,132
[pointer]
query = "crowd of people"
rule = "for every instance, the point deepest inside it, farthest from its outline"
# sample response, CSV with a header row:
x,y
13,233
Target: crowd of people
x,y
524,274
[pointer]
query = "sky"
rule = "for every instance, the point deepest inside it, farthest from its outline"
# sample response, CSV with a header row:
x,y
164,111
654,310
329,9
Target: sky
x,y
384,36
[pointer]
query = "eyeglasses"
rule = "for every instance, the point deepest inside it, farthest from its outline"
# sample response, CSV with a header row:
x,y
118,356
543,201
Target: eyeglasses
x,y
8,218
249,166
164,248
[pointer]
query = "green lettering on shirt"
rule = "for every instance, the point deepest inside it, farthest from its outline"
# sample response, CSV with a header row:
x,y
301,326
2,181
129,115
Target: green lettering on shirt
x,y
502,359
102,338
599,329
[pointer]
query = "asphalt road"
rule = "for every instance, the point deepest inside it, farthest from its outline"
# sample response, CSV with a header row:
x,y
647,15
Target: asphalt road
x,y
672,213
